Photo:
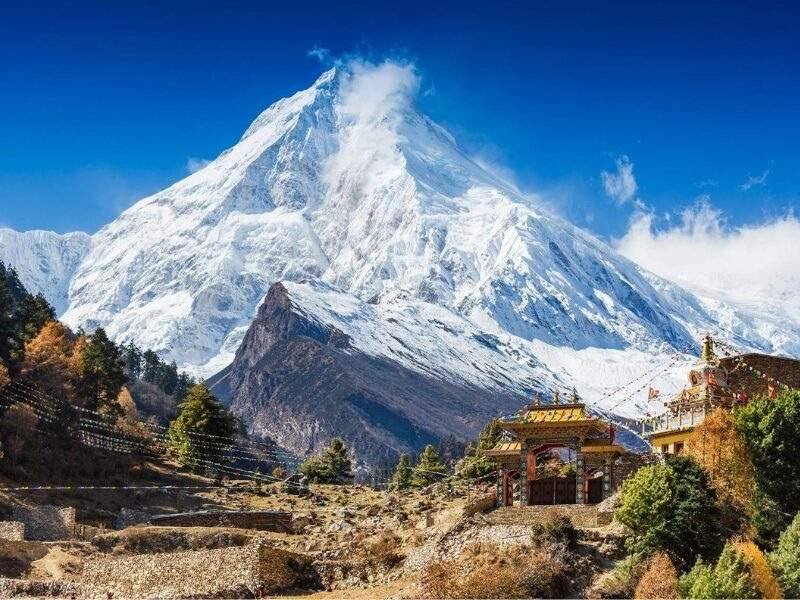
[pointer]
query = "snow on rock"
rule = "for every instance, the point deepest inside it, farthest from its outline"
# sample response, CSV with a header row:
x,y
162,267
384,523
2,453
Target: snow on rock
x,y
44,260
348,185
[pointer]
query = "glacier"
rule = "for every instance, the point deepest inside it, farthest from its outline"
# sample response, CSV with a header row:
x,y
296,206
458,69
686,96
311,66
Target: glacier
x,y
392,228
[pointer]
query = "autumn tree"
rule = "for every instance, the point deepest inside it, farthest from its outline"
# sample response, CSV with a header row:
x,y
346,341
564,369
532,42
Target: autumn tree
x,y
660,579
4,377
47,358
719,447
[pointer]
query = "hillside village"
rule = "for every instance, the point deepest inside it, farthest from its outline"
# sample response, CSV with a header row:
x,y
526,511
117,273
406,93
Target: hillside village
x,y
121,477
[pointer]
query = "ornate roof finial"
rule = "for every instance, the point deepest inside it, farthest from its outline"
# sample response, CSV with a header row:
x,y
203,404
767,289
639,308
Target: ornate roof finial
x,y
575,398
537,399
557,398
707,354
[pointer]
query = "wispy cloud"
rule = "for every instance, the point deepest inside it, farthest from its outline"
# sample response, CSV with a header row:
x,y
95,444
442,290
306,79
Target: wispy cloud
x,y
194,164
708,183
755,181
323,55
620,186
703,252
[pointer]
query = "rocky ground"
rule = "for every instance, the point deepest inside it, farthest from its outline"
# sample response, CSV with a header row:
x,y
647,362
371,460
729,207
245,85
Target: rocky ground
x,y
348,541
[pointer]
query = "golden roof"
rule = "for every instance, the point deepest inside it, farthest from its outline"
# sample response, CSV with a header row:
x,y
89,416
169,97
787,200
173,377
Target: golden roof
x,y
509,448
549,414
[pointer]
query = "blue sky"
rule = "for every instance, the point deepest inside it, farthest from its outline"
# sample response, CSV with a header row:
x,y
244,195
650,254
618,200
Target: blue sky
x,y
105,102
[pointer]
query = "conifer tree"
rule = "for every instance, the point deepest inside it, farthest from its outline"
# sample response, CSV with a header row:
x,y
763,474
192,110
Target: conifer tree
x,y
201,415
333,465
429,469
730,578
475,464
401,479
101,373
785,560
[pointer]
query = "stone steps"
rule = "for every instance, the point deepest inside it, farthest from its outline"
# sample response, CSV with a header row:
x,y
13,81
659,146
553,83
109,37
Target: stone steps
x,y
581,515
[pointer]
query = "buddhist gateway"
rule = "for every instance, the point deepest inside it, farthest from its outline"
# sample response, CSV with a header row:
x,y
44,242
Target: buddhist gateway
x,y
597,464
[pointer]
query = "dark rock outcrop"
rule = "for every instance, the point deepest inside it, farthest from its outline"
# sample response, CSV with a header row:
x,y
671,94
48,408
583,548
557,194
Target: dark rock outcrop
x,y
301,382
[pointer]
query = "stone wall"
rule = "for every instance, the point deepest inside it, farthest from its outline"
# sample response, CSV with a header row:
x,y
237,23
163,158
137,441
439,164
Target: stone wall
x,y
45,522
12,530
261,520
255,570
480,504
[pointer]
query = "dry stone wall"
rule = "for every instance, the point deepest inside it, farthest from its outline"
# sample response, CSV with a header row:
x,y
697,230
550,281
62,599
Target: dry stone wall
x,y
12,530
45,522
248,571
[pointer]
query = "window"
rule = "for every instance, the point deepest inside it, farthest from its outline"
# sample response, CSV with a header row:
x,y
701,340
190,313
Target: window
x,y
678,447
664,448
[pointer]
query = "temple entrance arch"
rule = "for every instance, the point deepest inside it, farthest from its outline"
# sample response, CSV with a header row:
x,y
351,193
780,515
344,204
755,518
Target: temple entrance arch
x,y
540,428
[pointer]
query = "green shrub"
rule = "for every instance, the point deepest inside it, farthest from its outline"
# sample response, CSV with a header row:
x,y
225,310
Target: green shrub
x,y
785,560
771,430
333,465
730,578
672,508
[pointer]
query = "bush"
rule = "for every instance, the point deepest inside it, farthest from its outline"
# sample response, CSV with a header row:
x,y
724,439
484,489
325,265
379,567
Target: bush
x,y
500,573
555,528
385,551
622,580
785,560
660,579
730,578
672,508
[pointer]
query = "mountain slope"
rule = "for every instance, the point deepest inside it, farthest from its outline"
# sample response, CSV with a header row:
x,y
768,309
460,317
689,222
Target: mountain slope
x,y
347,182
348,187
45,261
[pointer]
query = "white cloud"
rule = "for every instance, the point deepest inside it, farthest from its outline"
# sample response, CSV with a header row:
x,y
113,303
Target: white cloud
x,y
755,181
755,263
373,92
620,186
323,55
195,164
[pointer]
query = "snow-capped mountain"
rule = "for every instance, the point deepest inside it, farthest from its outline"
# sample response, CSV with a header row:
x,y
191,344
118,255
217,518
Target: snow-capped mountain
x,y
45,261
349,185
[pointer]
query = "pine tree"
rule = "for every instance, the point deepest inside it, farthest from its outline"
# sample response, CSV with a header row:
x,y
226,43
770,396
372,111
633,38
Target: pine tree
x,y
200,415
475,464
32,313
730,578
401,479
132,357
429,468
102,374
785,560
333,465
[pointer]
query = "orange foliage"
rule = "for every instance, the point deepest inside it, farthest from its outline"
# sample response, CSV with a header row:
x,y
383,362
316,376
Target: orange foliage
x,y
764,579
4,378
720,449
660,580
47,357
